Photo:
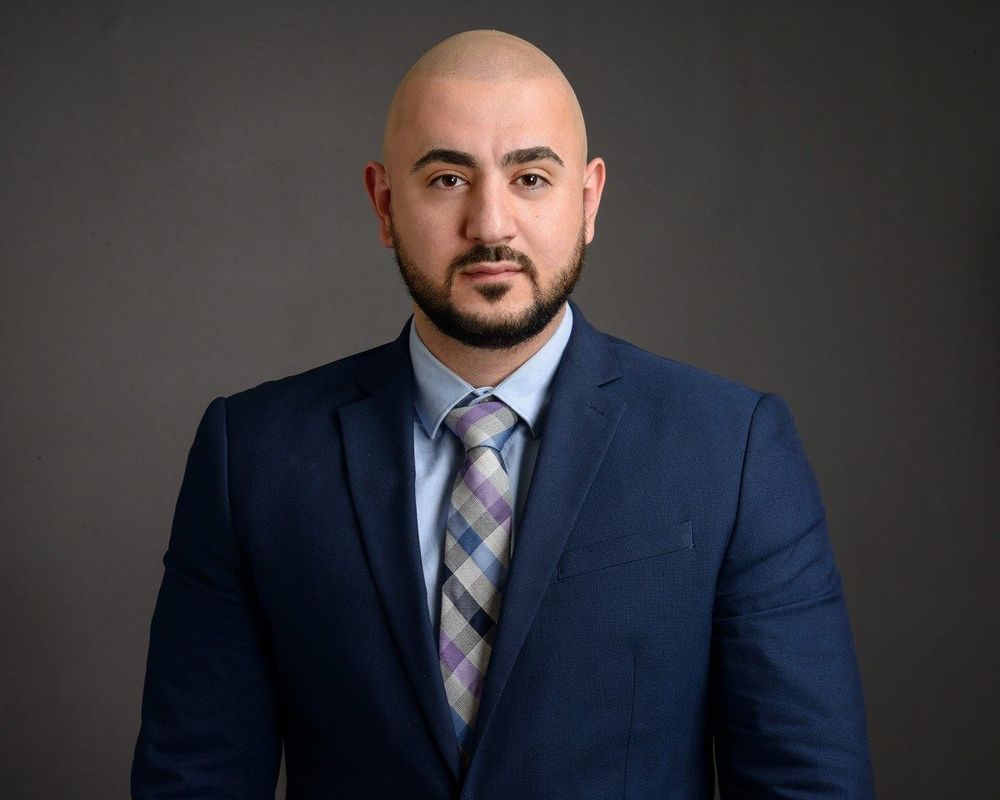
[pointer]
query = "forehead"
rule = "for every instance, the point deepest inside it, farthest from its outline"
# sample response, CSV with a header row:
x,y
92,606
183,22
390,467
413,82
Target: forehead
x,y
482,117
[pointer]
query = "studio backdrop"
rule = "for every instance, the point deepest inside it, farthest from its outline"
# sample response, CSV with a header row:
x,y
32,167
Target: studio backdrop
x,y
801,196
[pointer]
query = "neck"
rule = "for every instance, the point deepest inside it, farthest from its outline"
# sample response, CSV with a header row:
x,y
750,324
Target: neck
x,y
477,365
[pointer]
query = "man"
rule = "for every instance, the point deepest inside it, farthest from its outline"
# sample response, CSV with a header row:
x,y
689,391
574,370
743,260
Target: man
x,y
505,555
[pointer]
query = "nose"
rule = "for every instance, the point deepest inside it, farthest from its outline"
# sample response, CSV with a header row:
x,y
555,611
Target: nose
x,y
491,218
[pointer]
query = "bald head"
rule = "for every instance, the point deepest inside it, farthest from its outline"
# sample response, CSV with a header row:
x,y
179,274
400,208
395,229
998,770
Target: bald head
x,y
480,57
485,55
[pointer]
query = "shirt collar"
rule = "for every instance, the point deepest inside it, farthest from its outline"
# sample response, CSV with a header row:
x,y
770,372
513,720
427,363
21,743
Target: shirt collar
x,y
525,390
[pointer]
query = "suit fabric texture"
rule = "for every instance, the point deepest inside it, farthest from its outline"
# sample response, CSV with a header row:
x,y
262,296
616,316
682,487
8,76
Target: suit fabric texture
x,y
672,609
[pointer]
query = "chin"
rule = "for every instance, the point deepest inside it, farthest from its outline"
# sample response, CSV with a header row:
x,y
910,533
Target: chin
x,y
511,300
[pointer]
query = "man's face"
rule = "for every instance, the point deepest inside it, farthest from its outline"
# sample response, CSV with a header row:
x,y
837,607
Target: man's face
x,y
486,205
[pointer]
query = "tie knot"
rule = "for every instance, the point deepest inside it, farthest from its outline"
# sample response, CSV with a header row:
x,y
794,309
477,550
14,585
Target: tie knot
x,y
486,424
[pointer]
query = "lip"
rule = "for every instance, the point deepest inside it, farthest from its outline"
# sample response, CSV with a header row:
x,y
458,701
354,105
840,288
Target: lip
x,y
496,268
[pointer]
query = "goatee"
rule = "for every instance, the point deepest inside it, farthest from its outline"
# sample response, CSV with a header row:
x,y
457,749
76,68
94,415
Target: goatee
x,y
475,330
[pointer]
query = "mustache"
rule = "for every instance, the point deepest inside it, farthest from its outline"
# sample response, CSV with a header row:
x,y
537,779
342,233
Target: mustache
x,y
485,254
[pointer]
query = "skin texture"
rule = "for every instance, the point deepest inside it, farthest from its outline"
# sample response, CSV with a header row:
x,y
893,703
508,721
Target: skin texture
x,y
485,165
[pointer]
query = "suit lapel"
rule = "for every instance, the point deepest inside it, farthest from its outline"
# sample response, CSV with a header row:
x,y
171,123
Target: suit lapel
x,y
580,423
378,443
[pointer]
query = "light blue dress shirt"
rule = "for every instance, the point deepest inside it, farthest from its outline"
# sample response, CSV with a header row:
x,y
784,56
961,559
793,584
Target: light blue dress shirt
x,y
438,452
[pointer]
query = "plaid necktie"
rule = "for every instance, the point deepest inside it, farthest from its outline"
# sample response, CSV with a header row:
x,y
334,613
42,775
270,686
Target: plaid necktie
x,y
476,557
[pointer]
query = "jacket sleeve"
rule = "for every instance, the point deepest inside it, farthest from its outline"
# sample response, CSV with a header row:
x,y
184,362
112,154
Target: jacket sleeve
x,y
788,712
209,721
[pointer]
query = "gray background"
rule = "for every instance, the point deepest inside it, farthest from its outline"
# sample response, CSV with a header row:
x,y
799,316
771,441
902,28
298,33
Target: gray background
x,y
801,196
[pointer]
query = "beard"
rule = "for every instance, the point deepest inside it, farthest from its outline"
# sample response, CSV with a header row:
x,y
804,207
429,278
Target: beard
x,y
476,330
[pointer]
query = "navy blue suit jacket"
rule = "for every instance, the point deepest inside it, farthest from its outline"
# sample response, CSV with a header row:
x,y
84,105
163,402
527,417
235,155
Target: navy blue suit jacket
x,y
673,587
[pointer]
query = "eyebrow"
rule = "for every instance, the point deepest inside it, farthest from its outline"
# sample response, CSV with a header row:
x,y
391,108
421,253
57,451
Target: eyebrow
x,y
529,154
523,156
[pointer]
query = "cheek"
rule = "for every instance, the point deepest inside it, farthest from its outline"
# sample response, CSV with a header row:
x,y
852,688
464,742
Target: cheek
x,y
431,222
428,251
553,238
554,224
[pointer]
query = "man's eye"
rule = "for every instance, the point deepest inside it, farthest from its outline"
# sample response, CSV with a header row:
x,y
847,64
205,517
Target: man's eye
x,y
447,181
532,181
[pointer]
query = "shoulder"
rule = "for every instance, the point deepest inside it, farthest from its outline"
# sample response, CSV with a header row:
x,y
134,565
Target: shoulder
x,y
651,378
691,417
680,407
301,396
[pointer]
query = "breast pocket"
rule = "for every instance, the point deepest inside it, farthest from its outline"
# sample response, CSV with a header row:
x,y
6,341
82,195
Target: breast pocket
x,y
626,549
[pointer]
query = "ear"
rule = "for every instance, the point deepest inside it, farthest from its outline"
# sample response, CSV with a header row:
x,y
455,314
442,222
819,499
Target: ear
x,y
377,184
593,185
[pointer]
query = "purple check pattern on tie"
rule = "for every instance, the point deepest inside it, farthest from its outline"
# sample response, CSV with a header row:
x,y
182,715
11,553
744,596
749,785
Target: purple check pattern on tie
x,y
476,557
